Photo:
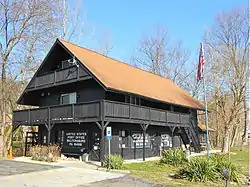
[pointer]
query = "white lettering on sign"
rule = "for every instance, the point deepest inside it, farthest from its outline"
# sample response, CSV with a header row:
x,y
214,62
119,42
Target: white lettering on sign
x,y
75,139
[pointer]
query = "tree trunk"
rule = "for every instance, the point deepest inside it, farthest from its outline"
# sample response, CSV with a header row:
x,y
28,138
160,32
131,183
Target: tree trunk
x,y
235,132
245,135
7,141
226,140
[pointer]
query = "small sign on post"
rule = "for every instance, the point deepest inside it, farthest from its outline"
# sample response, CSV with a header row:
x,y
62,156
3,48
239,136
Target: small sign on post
x,y
226,173
109,137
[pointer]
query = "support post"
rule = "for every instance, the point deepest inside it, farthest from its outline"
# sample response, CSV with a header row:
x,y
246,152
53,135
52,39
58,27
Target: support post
x,y
144,145
144,128
102,127
49,128
172,134
102,144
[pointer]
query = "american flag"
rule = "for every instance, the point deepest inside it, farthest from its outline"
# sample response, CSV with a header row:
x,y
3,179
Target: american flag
x,y
201,64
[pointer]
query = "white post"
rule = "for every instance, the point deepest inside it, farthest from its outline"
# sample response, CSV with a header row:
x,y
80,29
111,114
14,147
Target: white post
x,y
206,117
109,154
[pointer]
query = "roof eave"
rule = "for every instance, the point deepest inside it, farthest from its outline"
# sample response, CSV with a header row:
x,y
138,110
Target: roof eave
x,y
121,91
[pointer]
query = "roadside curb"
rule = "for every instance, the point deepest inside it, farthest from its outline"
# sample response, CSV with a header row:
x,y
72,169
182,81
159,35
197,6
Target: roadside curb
x,y
114,170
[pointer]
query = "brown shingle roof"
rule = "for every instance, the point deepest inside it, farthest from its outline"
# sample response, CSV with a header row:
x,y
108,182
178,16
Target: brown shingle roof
x,y
123,77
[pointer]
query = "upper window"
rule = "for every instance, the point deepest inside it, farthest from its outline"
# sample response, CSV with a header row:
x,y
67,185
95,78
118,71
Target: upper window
x,y
69,98
65,64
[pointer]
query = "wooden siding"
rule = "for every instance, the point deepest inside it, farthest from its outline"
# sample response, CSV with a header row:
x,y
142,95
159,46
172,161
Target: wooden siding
x,y
92,111
87,91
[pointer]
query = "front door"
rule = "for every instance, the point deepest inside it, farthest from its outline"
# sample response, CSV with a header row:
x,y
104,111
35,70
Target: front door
x,y
95,146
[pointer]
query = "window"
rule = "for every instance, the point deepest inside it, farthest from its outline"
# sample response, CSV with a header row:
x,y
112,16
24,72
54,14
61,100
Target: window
x,y
65,64
69,98
135,100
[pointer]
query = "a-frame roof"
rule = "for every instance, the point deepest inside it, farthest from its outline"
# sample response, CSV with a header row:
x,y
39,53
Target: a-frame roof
x,y
119,76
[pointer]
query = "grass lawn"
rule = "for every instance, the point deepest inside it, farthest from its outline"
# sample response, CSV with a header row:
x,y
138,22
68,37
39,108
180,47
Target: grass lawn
x,y
241,157
163,174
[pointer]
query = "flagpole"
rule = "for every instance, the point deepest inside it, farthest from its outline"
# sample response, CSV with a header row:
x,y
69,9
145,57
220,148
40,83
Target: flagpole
x,y
206,117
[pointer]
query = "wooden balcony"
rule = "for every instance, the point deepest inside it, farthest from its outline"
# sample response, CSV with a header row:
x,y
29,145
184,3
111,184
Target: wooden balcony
x,y
58,77
97,110
124,112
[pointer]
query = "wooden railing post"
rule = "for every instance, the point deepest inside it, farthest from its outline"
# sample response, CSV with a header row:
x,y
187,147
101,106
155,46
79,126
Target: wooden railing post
x,y
102,114
78,72
150,115
73,112
55,77
166,113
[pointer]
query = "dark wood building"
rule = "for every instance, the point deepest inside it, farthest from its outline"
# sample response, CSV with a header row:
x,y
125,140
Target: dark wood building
x,y
78,93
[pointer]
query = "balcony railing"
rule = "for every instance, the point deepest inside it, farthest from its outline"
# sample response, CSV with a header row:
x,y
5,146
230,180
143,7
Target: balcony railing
x,y
61,113
56,77
134,112
94,111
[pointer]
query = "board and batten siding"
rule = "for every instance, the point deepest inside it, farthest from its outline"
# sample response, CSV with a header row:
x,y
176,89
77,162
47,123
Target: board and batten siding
x,y
86,91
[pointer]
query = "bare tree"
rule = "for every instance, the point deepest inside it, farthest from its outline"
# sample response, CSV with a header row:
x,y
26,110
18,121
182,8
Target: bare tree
x,y
104,45
26,27
227,44
159,55
74,27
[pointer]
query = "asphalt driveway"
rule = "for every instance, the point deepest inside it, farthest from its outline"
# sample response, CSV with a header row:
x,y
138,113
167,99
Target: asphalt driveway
x,y
24,174
10,167
125,181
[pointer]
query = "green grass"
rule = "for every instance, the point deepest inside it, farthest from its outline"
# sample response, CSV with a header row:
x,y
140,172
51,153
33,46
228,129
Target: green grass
x,y
240,156
160,173
164,174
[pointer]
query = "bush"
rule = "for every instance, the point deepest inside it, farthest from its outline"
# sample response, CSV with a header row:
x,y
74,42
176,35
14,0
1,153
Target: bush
x,y
48,153
116,161
173,157
222,162
200,170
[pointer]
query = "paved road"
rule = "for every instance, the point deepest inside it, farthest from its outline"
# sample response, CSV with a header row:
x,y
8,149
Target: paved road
x,y
23,174
126,181
9,167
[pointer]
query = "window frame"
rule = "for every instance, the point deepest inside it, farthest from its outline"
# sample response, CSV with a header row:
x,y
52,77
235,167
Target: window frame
x,y
68,94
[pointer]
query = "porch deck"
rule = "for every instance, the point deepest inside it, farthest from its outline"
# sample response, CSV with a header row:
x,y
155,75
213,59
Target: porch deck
x,y
97,111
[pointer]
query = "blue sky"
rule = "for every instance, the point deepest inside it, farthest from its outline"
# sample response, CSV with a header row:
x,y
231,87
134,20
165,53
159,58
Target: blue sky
x,y
126,21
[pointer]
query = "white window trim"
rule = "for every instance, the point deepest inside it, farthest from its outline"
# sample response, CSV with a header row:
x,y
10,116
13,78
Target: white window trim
x,y
68,94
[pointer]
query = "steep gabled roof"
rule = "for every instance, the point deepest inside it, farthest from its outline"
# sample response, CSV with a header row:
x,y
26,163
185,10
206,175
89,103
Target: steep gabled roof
x,y
119,76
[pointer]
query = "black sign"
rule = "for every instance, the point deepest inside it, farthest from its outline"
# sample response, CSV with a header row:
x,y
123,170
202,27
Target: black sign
x,y
75,138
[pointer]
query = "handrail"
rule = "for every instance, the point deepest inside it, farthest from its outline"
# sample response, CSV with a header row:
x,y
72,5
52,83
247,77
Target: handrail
x,y
52,106
161,110
57,70
72,112
178,115
54,74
